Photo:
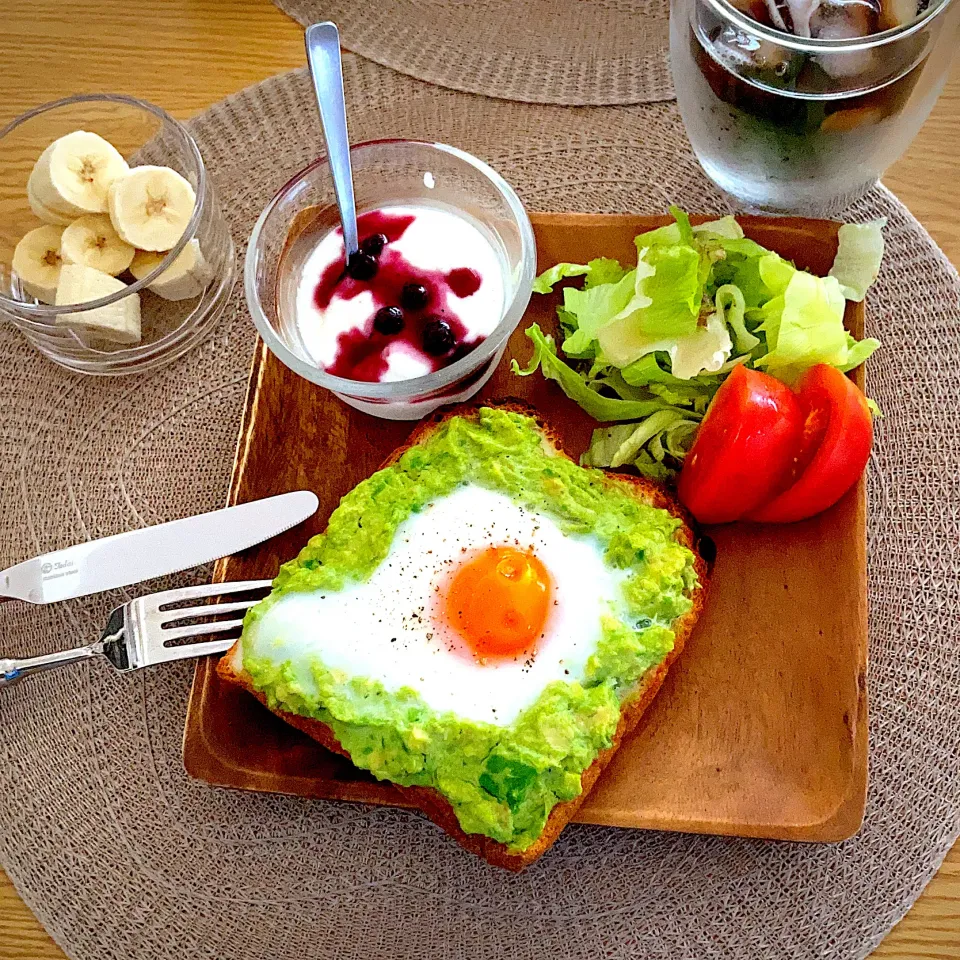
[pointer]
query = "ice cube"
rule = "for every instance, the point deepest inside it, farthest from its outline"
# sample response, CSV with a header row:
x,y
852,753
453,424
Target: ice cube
x,y
896,13
845,20
801,12
739,50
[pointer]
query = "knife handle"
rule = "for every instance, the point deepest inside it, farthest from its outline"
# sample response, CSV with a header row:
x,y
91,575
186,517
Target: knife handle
x,y
12,671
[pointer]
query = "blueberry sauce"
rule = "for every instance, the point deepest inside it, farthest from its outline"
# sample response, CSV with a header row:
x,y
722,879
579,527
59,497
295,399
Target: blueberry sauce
x,y
463,281
423,321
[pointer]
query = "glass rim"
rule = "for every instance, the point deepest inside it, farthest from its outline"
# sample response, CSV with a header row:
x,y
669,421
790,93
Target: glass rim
x,y
415,387
726,10
29,312
141,352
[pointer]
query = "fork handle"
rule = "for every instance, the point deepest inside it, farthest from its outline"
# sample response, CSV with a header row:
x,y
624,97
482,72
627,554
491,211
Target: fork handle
x,y
13,670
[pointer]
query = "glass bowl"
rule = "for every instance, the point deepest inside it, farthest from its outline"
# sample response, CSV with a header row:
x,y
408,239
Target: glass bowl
x,y
144,134
387,173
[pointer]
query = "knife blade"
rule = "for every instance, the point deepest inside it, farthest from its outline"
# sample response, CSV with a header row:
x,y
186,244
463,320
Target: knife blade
x,y
138,555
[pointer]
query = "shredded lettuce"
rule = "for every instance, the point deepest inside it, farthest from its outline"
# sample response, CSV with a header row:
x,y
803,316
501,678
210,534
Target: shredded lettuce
x,y
573,384
705,350
593,307
857,352
622,444
808,330
649,345
726,227
731,309
655,447
601,270
857,264
665,306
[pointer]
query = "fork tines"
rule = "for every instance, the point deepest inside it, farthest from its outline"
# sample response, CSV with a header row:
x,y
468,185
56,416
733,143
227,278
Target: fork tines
x,y
164,625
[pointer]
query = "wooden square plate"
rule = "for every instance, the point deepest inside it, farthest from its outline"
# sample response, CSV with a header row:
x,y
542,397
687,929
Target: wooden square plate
x,y
761,727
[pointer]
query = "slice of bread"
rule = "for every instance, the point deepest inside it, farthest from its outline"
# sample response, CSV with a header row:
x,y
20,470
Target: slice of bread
x,y
433,803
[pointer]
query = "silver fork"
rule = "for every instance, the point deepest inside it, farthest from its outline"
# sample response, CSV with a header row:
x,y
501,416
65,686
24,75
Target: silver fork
x,y
154,629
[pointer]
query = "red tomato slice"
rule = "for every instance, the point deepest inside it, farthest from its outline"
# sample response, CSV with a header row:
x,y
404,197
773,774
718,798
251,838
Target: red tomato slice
x,y
837,436
744,450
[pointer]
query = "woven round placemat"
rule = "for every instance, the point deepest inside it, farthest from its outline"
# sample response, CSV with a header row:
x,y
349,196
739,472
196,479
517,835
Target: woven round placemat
x,y
122,856
571,52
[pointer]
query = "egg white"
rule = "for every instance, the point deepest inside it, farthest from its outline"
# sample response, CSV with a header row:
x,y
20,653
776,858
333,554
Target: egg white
x,y
387,629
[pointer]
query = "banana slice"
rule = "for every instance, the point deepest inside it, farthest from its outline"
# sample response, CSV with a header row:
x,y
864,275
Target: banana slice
x,y
43,212
36,261
74,174
151,207
92,241
118,322
186,277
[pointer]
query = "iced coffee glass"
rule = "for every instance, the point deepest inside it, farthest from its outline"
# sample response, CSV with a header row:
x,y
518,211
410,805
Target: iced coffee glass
x,y
798,106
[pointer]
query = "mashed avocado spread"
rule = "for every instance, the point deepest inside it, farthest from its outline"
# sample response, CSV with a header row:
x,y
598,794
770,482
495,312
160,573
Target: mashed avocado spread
x,y
502,781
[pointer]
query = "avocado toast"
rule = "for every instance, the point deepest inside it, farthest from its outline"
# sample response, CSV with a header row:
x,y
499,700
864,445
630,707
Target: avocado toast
x,y
504,787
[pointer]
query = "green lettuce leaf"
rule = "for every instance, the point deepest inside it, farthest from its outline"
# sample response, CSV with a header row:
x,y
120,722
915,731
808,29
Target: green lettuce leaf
x,y
703,351
857,352
860,251
665,307
809,328
604,409
649,346
648,370
618,445
600,270
666,236
612,379
725,228
666,434
740,266
593,307
731,308
683,225
775,273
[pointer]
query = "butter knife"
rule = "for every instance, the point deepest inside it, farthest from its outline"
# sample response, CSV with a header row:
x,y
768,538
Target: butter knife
x,y
139,555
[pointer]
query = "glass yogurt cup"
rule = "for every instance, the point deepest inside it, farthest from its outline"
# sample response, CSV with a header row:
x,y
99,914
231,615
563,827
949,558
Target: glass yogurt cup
x,y
395,181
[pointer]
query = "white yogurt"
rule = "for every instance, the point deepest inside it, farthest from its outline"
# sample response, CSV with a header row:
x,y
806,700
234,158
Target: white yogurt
x,y
437,240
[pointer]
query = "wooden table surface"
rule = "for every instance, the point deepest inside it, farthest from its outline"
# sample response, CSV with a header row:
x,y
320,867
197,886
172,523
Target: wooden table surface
x,y
187,54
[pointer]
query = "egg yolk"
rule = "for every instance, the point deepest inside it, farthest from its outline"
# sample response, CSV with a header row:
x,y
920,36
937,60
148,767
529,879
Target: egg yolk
x,y
498,602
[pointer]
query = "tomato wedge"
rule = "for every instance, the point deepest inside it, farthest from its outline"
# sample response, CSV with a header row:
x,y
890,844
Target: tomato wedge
x,y
745,449
834,449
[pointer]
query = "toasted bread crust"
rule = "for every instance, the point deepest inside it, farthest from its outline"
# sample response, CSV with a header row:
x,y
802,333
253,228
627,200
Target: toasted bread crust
x,y
431,801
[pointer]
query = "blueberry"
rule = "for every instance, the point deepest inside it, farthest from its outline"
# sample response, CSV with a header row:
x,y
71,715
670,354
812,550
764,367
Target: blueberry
x,y
362,266
414,296
388,320
438,337
374,244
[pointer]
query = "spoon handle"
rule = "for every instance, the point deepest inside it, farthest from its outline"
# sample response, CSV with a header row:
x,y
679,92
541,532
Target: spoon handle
x,y
323,55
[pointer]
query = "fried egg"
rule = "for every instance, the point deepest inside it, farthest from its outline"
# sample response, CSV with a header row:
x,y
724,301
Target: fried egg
x,y
479,605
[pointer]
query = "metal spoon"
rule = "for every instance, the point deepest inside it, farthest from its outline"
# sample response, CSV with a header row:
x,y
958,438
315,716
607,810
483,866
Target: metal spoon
x,y
326,69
